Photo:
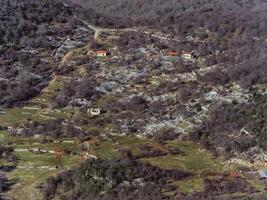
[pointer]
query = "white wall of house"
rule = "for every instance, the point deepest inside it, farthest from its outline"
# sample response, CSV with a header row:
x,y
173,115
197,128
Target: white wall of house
x,y
101,54
186,56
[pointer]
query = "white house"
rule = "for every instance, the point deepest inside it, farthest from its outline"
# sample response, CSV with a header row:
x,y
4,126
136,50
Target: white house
x,y
94,111
101,53
187,55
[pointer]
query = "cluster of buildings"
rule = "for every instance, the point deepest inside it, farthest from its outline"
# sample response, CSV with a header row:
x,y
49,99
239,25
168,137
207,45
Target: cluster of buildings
x,y
99,53
186,55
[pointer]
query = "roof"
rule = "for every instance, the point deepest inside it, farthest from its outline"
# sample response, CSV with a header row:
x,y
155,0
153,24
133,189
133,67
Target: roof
x,y
172,53
233,173
101,51
187,52
263,173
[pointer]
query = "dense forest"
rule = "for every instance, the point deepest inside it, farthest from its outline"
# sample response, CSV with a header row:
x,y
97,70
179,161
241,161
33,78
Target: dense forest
x,y
120,179
30,31
128,179
181,17
237,27
242,125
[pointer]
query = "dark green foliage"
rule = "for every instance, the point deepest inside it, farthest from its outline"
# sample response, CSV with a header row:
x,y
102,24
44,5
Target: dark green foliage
x,y
112,179
29,33
232,119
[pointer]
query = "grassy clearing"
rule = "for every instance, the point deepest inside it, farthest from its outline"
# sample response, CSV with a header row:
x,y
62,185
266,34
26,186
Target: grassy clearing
x,y
3,135
32,173
72,147
35,160
28,179
52,114
17,116
50,91
110,148
190,185
68,145
257,185
193,159
132,143
106,150
6,164
13,141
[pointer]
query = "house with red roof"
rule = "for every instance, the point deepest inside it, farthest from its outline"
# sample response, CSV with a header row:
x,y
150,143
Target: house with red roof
x,y
101,53
172,53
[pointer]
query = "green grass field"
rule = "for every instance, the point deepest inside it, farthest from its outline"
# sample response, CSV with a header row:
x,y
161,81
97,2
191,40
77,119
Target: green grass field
x,y
193,159
27,180
17,116
190,185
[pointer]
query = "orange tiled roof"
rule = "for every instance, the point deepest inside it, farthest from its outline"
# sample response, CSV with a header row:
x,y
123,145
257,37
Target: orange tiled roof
x,y
173,53
187,52
101,51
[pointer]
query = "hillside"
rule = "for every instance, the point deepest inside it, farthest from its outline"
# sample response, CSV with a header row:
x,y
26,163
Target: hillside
x,y
130,100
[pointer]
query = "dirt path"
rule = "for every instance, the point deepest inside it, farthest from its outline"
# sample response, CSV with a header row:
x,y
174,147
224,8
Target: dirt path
x,y
42,167
98,30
